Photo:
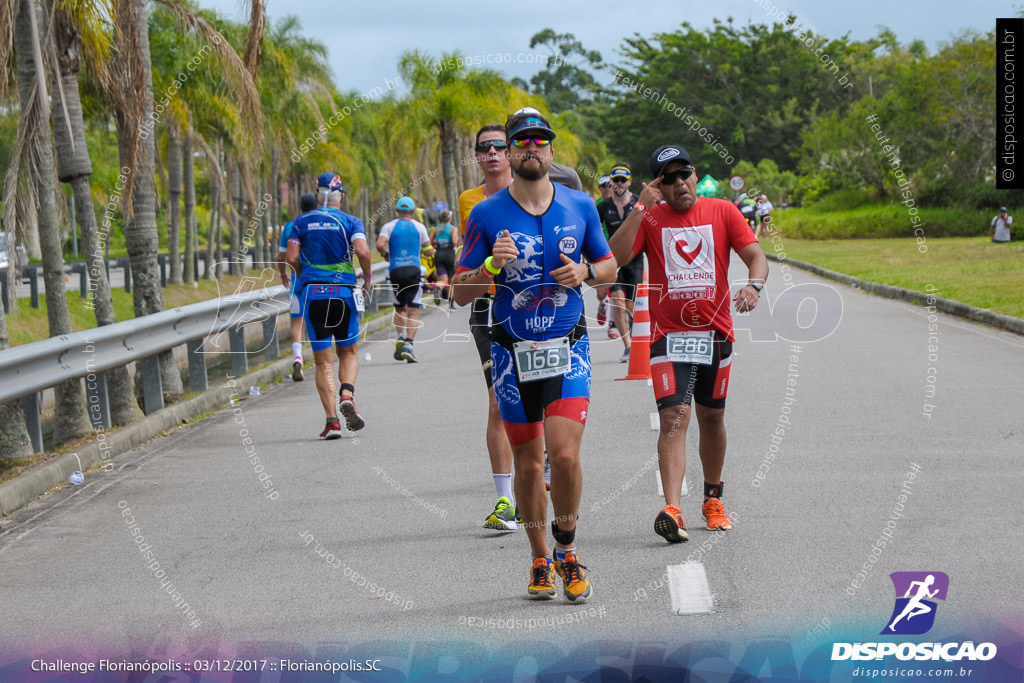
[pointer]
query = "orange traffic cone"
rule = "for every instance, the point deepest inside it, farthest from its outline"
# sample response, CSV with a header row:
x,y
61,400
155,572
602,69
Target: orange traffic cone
x,y
640,336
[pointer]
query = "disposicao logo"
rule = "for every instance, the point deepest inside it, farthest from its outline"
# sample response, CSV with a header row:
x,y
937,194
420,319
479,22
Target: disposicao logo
x,y
914,614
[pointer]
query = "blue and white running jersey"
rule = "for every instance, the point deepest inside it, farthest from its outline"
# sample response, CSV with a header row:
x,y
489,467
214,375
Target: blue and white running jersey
x,y
529,303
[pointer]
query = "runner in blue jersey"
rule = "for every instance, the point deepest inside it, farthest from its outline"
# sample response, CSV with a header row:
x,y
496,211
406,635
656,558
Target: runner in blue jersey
x,y
306,203
401,241
320,250
530,239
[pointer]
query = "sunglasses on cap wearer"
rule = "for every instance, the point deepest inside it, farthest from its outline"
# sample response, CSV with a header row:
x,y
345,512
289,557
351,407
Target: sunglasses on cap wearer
x,y
523,142
485,146
620,179
673,176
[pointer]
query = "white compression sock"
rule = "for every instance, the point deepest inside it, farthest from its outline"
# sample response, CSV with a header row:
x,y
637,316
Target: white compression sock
x,y
503,483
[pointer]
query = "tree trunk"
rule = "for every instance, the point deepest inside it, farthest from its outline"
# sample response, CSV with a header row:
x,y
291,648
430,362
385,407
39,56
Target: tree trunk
x,y
238,222
14,441
74,166
70,420
140,231
173,201
448,163
211,236
188,178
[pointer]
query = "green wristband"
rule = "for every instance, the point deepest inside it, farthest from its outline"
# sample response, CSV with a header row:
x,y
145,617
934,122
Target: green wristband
x,y
491,269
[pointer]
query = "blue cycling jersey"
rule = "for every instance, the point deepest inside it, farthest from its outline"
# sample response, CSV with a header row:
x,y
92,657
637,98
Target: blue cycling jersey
x,y
529,303
325,238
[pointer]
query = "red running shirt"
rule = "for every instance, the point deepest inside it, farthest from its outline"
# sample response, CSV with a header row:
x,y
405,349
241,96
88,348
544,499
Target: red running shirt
x,y
688,256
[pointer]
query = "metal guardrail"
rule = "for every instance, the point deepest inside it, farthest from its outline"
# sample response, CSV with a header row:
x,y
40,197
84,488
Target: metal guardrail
x,y
27,370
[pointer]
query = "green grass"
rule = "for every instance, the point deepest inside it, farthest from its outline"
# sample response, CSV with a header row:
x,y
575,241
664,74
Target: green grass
x,y
880,219
972,270
30,324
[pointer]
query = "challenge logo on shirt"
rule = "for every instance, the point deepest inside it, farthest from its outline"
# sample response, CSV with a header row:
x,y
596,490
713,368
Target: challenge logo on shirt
x,y
689,258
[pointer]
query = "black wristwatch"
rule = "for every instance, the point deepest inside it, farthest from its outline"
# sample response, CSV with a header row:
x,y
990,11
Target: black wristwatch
x,y
591,271
757,287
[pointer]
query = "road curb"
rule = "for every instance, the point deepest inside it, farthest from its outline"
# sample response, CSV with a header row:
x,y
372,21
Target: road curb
x,y
108,445
957,308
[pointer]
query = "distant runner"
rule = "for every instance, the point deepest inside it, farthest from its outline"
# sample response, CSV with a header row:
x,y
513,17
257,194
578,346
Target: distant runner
x,y
320,251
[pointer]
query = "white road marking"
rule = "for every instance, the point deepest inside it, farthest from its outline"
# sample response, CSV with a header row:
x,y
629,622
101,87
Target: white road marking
x,y
688,584
661,489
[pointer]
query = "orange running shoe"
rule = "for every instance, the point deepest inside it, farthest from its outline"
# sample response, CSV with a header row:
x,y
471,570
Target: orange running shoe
x,y
669,525
714,514
575,586
542,579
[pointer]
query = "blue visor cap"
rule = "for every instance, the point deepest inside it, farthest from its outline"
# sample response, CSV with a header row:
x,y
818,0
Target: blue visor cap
x,y
332,181
621,172
532,125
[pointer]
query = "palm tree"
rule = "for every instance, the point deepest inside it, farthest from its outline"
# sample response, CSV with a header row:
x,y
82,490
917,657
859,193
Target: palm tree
x,y
75,167
447,100
30,178
14,441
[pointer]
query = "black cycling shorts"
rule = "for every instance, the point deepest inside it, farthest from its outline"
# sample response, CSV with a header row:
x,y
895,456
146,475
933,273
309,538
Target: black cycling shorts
x,y
630,275
480,327
444,261
405,282
676,383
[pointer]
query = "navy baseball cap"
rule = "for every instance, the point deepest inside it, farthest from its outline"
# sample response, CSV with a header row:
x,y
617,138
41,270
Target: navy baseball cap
x,y
665,155
332,181
531,124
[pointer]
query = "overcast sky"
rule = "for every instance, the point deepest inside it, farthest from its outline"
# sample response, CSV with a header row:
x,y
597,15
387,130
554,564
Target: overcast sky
x,y
365,38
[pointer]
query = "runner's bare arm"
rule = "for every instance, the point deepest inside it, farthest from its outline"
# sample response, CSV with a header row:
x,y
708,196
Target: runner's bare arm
x,y
473,284
362,250
292,257
621,243
757,271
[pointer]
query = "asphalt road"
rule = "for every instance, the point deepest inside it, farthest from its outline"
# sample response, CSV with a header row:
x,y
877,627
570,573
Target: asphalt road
x,y
402,505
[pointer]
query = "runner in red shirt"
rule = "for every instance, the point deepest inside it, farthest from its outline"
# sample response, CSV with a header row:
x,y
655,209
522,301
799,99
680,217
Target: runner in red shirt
x,y
687,241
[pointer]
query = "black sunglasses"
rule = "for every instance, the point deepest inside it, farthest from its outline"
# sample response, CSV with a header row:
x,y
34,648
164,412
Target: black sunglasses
x,y
680,174
620,179
483,147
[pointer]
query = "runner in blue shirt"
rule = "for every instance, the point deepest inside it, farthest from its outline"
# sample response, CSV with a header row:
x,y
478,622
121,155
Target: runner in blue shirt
x,y
306,203
529,239
320,250
401,241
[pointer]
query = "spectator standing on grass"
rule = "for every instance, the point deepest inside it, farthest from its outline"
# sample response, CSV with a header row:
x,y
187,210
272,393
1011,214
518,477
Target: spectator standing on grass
x,y
1000,226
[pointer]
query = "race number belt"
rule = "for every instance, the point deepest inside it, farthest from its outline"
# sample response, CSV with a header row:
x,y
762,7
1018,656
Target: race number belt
x,y
357,294
690,347
542,359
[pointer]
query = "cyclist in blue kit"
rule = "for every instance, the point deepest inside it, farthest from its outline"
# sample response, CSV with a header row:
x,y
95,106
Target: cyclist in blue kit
x,y
529,240
320,250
